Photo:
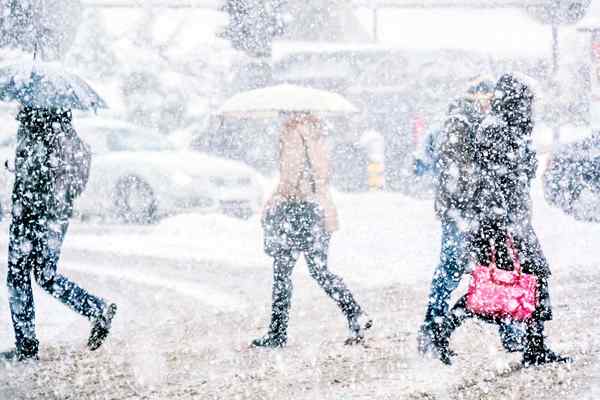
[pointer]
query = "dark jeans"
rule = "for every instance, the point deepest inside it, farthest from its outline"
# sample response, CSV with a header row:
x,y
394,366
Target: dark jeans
x,y
34,246
447,277
316,259
449,272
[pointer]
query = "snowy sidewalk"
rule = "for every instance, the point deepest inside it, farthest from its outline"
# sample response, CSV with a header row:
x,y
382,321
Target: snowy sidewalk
x,y
194,290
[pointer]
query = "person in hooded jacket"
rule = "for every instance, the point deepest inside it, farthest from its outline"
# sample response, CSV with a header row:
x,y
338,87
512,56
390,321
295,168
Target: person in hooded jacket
x,y
453,153
505,165
49,159
300,217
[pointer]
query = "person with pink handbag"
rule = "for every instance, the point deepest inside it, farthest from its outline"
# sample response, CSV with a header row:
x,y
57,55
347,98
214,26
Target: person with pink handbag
x,y
510,280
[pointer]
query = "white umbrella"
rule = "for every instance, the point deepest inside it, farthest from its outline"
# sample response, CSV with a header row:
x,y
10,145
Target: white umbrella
x,y
286,98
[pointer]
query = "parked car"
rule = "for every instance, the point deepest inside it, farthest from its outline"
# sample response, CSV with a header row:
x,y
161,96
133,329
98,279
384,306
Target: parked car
x,y
138,176
572,179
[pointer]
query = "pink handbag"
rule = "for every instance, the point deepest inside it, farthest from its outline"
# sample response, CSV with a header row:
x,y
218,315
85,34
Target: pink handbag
x,y
498,293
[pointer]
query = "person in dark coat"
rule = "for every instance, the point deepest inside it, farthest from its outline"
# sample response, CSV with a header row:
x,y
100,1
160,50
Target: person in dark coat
x,y
505,165
46,184
453,153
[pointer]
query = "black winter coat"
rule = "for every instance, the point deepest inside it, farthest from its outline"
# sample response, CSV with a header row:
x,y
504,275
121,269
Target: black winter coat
x,y
454,150
505,167
39,192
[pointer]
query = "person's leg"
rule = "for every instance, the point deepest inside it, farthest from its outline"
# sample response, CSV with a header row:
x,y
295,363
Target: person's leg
x,y
448,273
442,330
336,289
512,335
45,266
46,275
283,266
445,280
536,350
20,297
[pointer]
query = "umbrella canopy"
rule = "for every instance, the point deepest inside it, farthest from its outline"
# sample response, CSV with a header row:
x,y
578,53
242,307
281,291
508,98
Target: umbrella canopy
x,y
286,98
45,85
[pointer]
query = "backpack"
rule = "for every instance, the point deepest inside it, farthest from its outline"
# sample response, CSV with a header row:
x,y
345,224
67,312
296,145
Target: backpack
x,y
75,162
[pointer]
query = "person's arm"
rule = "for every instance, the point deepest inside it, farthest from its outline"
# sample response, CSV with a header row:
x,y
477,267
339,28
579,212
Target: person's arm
x,y
447,159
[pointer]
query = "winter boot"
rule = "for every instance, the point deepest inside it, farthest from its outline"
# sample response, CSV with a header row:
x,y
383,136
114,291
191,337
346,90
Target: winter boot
x,y
277,335
357,325
425,339
101,327
425,342
441,342
270,340
536,352
26,350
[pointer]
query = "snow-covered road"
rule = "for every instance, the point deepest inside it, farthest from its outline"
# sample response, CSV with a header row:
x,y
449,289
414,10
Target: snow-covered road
x,y
194,290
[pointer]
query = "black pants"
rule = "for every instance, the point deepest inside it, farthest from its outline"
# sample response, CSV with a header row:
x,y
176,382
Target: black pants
x,y
316,259
35,244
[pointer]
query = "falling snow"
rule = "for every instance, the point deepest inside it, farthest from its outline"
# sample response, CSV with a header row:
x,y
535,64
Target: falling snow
x,y
279,199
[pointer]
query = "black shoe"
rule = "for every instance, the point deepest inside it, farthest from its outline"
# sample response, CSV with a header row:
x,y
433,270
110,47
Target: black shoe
x,y
425,339
27,350
442,352
357,326
433,341
545,356
101,327
270,341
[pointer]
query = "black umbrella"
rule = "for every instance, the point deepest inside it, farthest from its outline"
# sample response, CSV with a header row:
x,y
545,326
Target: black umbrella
x,y
47,85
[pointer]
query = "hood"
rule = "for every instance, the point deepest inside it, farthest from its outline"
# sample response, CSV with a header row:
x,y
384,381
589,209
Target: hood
x,y
513,102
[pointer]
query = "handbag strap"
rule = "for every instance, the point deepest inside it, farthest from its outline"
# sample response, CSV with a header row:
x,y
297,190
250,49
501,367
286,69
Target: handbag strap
x,y
513,252
313,183
515,255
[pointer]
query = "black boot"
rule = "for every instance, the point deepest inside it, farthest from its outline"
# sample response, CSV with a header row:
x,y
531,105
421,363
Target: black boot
x,y
441,342
277,335
536,352
101,327
357,325
26,350
425,339
270,340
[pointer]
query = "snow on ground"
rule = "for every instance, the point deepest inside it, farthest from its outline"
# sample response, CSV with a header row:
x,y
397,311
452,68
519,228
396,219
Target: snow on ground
x,y
193,290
